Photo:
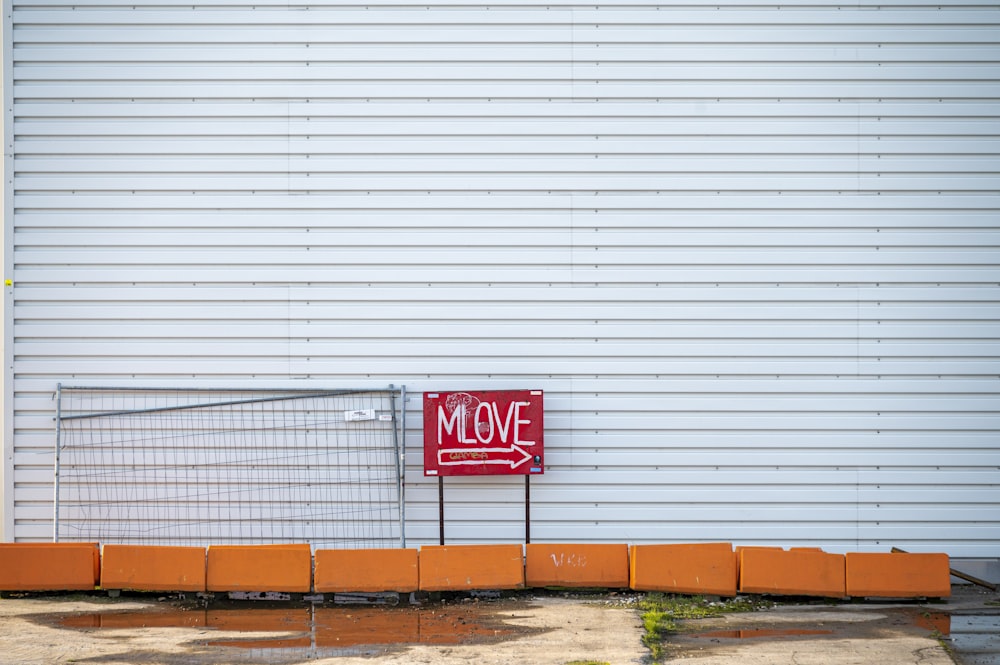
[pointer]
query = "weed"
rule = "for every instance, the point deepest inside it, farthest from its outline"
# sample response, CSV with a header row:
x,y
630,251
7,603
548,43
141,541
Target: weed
x,y
945,644
659,612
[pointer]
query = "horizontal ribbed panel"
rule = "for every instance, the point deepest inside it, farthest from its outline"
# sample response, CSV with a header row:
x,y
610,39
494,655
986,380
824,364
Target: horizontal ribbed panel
x,y
749,252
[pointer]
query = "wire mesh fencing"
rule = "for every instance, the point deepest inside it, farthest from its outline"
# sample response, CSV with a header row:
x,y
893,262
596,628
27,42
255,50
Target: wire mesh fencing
x,y
201,467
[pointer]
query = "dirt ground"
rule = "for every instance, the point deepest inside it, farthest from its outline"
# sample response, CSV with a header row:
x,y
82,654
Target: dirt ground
x,y
543,629
813,636
549,630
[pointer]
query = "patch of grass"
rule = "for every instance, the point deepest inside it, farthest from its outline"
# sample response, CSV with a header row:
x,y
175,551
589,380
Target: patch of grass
x,y
656,623
660,612
948,648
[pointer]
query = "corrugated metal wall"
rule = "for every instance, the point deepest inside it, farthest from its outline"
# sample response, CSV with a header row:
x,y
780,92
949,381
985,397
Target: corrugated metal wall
x,y
750,252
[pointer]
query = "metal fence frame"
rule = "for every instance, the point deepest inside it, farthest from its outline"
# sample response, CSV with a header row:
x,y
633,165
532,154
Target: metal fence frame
x,y
396,396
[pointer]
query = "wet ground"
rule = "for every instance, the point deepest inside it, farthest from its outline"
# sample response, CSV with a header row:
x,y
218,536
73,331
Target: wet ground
x,y
966,628
975,638
279,632
548,630
542,628
787,634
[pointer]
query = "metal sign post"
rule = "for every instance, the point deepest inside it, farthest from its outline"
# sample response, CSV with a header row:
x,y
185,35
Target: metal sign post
x,y
484,433
441,508
527,509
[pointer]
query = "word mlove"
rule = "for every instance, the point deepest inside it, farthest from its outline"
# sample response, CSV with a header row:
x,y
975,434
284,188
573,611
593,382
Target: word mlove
x,y
486,422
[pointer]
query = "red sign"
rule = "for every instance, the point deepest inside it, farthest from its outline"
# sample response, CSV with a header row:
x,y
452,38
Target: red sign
x,y
485,433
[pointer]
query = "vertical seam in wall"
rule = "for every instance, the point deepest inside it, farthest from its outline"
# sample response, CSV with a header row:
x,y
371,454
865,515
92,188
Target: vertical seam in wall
x,y
7,396
288,147
857,331
857,508
857,147
289,344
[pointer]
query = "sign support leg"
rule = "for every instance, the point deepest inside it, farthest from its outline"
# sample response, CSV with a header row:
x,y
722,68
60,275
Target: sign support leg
x,y
527,509
441,508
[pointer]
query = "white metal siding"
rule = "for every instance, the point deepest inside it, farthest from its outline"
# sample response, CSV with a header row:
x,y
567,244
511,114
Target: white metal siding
x,y
749,252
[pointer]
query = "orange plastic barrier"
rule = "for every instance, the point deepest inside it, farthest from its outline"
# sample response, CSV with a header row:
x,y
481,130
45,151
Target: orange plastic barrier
x,y
798,572
576,565
738,550
463,567
898,575
49,566
153,568
708,568
260,568
366,570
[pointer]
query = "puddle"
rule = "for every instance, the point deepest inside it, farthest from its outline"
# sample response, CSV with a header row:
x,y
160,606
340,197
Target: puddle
x,y
936,622
973,638
976,638
322,630
750,633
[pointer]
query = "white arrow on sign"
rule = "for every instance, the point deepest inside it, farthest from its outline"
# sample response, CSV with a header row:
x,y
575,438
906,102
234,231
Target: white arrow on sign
x,y
515,456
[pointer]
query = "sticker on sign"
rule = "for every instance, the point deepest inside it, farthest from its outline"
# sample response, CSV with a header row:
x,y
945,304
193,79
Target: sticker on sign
x,y
483,433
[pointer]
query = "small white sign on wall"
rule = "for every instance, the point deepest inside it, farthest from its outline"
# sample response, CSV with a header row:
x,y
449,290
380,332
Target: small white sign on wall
x,y
359,415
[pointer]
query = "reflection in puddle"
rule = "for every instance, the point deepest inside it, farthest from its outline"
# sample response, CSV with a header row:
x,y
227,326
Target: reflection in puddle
x,y
749,633
319,627
936,622
976,638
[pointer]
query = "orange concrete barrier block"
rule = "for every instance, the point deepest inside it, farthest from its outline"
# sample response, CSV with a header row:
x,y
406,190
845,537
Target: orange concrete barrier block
x,y
153,568
898,575
260,568
798,572
366,570
708,568
49,566
463,567
576,565
738,550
